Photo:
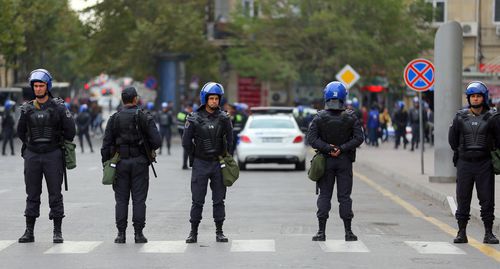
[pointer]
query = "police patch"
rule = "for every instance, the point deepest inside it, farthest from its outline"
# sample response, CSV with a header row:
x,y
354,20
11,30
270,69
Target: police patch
x,y
186,125
68,114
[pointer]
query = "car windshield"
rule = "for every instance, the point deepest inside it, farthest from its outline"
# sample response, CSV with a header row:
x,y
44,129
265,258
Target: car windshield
x,y
271,124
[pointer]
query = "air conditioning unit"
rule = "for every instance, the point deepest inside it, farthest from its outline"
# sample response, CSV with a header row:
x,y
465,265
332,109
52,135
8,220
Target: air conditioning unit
x,y
469,28
278,97
498,30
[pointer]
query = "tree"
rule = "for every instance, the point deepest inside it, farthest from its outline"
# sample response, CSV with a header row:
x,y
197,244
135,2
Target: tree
x,y
128,35
11,33
319,37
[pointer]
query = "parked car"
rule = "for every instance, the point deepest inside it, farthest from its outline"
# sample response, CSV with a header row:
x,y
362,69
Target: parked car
x,y
271,138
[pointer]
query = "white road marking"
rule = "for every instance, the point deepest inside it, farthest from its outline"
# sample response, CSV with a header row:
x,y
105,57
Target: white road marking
x,y
5,244
253,246
434,247
73,247
453,205
343,246
164,247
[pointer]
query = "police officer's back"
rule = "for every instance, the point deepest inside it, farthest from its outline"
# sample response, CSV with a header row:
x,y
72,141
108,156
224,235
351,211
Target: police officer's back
x,y
335,132
43,125
208,134
127,133
471,138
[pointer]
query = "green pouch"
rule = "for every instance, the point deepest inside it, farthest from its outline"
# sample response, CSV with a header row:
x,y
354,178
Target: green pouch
x,y
69,154
495,160
109,170
230,170
317,169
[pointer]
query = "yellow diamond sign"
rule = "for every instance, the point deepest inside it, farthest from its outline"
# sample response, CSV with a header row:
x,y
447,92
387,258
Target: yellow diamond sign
x,y
348,76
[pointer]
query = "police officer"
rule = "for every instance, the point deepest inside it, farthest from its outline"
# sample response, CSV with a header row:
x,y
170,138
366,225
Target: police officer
x,y
165,121
44,123
335,132
8,123
207,135
470,137
238,120
181,122
400,120
126,133
83,122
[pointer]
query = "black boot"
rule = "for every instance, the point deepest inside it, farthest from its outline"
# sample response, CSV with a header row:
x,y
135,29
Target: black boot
x,y
120,238
57,237
320,235
219,235
139,237
462,233
28,235
193,234
349,235
489,237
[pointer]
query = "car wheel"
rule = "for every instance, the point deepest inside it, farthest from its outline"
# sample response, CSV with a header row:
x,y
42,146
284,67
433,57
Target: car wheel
x,y
242,165
300,166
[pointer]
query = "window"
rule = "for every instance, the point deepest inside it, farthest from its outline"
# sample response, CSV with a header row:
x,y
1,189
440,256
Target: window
x,y
248,8
439,10
496,11
271,124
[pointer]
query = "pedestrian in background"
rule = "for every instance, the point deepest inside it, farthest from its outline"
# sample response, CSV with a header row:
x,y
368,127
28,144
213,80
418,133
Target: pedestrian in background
x,y
165,121
207,135
44,123
8,123
126,133
336,133
83,122
471,139
385,120
373,126
400,120
181,122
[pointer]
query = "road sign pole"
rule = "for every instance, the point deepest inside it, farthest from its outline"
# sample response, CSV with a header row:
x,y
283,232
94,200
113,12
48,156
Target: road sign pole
x,y
421,124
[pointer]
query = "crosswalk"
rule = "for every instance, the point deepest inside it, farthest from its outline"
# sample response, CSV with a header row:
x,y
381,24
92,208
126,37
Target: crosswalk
x,y
261,245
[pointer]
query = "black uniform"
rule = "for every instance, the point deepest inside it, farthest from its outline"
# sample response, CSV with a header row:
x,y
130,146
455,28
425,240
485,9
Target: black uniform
x,y
83,122
400,120
414,120
342,129
204,138
121,135
181,122
471,138
165,120
42,128
8,130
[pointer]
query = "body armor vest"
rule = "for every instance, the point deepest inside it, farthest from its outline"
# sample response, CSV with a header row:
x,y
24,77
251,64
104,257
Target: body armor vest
x,y
43,125
165,119
475,140
208,137
336,128
125,129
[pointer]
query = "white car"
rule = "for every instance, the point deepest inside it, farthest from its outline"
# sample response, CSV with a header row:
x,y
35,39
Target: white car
x,y
274,138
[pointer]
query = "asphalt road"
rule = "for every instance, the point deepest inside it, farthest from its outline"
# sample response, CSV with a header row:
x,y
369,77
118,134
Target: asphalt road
x,y
270,220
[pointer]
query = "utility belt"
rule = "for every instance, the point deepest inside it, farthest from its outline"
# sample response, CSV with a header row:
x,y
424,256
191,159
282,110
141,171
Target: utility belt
x,y
207,158
43,147
130,151
475,159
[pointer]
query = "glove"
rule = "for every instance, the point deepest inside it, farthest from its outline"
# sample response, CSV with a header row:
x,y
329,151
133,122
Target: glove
x,y
455,158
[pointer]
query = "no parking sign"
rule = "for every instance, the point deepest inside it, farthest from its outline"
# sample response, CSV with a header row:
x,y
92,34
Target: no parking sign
x,y
419,75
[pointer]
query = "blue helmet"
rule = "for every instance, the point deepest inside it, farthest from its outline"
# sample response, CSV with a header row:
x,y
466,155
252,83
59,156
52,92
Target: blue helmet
x,y
150,106
401,104
477,87
83,108
40,75
8,104
209,89
164,105
335,94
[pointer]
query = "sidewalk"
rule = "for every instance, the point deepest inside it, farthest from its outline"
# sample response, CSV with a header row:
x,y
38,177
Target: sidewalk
x,y
404,168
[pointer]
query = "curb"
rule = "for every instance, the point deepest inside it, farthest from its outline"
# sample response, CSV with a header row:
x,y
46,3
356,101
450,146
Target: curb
x,y
425,191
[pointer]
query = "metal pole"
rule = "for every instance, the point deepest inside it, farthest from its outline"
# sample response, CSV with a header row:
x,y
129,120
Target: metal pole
x,y
421,124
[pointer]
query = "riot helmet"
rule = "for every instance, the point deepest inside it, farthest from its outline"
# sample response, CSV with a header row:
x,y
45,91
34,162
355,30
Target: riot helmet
x,y
211,88
477,87
40,75
334,95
